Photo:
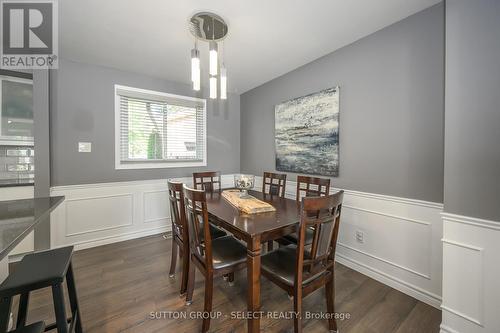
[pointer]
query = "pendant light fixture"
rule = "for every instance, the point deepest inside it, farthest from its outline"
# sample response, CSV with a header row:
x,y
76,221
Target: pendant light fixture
x,y
210,28
195,68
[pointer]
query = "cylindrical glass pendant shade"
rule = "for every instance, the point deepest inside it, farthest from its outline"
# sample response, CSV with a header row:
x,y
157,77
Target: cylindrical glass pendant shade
x,y
223,83
195,69
213,61
213,87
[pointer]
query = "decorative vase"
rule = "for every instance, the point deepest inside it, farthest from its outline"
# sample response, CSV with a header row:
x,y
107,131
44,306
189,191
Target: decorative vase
x,y
244,183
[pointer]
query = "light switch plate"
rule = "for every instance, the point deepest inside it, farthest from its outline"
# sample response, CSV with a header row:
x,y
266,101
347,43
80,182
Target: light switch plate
x,y
84,147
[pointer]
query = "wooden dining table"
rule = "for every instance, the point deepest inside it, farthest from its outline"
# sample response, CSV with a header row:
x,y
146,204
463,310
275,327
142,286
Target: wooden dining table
x,y
254,229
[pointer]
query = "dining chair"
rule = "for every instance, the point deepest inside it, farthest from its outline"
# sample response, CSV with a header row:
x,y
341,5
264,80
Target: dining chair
x,y
300,270
180,238
213,257
210,181
307,187
274,184
312,186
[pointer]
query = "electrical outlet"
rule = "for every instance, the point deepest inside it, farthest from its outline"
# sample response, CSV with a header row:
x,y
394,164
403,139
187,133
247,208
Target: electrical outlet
x,y
360,236
84,147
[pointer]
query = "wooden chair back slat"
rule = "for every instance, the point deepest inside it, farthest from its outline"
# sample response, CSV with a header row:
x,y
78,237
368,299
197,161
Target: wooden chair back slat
x,y
209,181
177,212
312,187
274,184
200,240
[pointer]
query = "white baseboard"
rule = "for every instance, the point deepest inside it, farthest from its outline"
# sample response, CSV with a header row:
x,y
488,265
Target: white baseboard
x,y
120,238
446,329
391,281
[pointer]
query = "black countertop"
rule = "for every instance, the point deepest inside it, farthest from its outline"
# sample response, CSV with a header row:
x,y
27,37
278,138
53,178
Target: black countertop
x,y
16,182
19,217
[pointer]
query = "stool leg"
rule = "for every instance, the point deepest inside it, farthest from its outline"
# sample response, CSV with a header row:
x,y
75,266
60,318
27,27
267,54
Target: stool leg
x,y
4,313
59,308
73,299
23,309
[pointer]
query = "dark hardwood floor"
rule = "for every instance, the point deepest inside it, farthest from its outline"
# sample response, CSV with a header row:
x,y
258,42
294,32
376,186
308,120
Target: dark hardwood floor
x,y
121,285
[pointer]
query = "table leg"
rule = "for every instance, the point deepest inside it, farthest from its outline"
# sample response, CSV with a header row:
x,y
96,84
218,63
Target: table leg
x,y
253,271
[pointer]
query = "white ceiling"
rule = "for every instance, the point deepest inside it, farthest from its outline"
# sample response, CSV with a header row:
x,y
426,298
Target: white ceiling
x,y
267,38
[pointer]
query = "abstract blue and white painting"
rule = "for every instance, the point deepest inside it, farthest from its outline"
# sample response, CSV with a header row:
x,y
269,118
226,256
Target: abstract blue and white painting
x,y
307,134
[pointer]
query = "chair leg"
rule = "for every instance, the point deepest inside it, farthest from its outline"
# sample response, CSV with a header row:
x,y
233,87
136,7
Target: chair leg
x,y
185,270
230,279
190,284
23,310
73,299
209,290
59,308
173,261
270,246
297,307
5,303
330,304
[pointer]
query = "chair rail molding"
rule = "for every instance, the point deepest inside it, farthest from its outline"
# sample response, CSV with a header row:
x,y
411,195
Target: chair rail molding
x,y
470,274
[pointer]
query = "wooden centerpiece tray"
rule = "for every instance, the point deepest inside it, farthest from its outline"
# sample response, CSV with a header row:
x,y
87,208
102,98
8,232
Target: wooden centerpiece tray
x,y
248,204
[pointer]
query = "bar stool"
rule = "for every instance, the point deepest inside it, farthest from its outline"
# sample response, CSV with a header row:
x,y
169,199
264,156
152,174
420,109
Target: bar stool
x,y
36,271
37,327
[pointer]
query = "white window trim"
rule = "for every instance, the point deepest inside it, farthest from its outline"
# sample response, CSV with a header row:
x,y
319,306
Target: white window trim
x,y
156,165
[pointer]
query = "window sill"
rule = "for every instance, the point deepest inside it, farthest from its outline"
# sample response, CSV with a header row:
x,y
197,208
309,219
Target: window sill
x,y
158,165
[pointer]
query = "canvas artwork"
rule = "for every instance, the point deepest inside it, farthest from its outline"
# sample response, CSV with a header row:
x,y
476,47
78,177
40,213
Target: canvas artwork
x,y
307,134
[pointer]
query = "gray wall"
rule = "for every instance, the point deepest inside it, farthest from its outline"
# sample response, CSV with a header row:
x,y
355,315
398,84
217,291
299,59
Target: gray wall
x,y
41,105
472,136
82,98
391,109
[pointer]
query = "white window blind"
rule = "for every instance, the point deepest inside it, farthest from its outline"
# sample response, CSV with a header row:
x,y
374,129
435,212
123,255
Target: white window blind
x,y
159,130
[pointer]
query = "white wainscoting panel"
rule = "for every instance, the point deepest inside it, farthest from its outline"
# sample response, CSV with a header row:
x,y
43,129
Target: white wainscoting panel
x,y
154,205
95,214
98,214
471,275
401,244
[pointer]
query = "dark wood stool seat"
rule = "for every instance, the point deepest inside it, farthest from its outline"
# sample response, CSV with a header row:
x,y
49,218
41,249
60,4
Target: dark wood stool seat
x,y
37,327
36,271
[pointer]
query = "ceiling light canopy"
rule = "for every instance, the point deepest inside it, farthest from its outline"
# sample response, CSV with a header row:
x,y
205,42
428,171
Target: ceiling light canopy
x,y
211,28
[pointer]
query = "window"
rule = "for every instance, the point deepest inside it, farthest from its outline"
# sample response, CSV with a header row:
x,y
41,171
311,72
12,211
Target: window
x,y
16,128
16,113
158,130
